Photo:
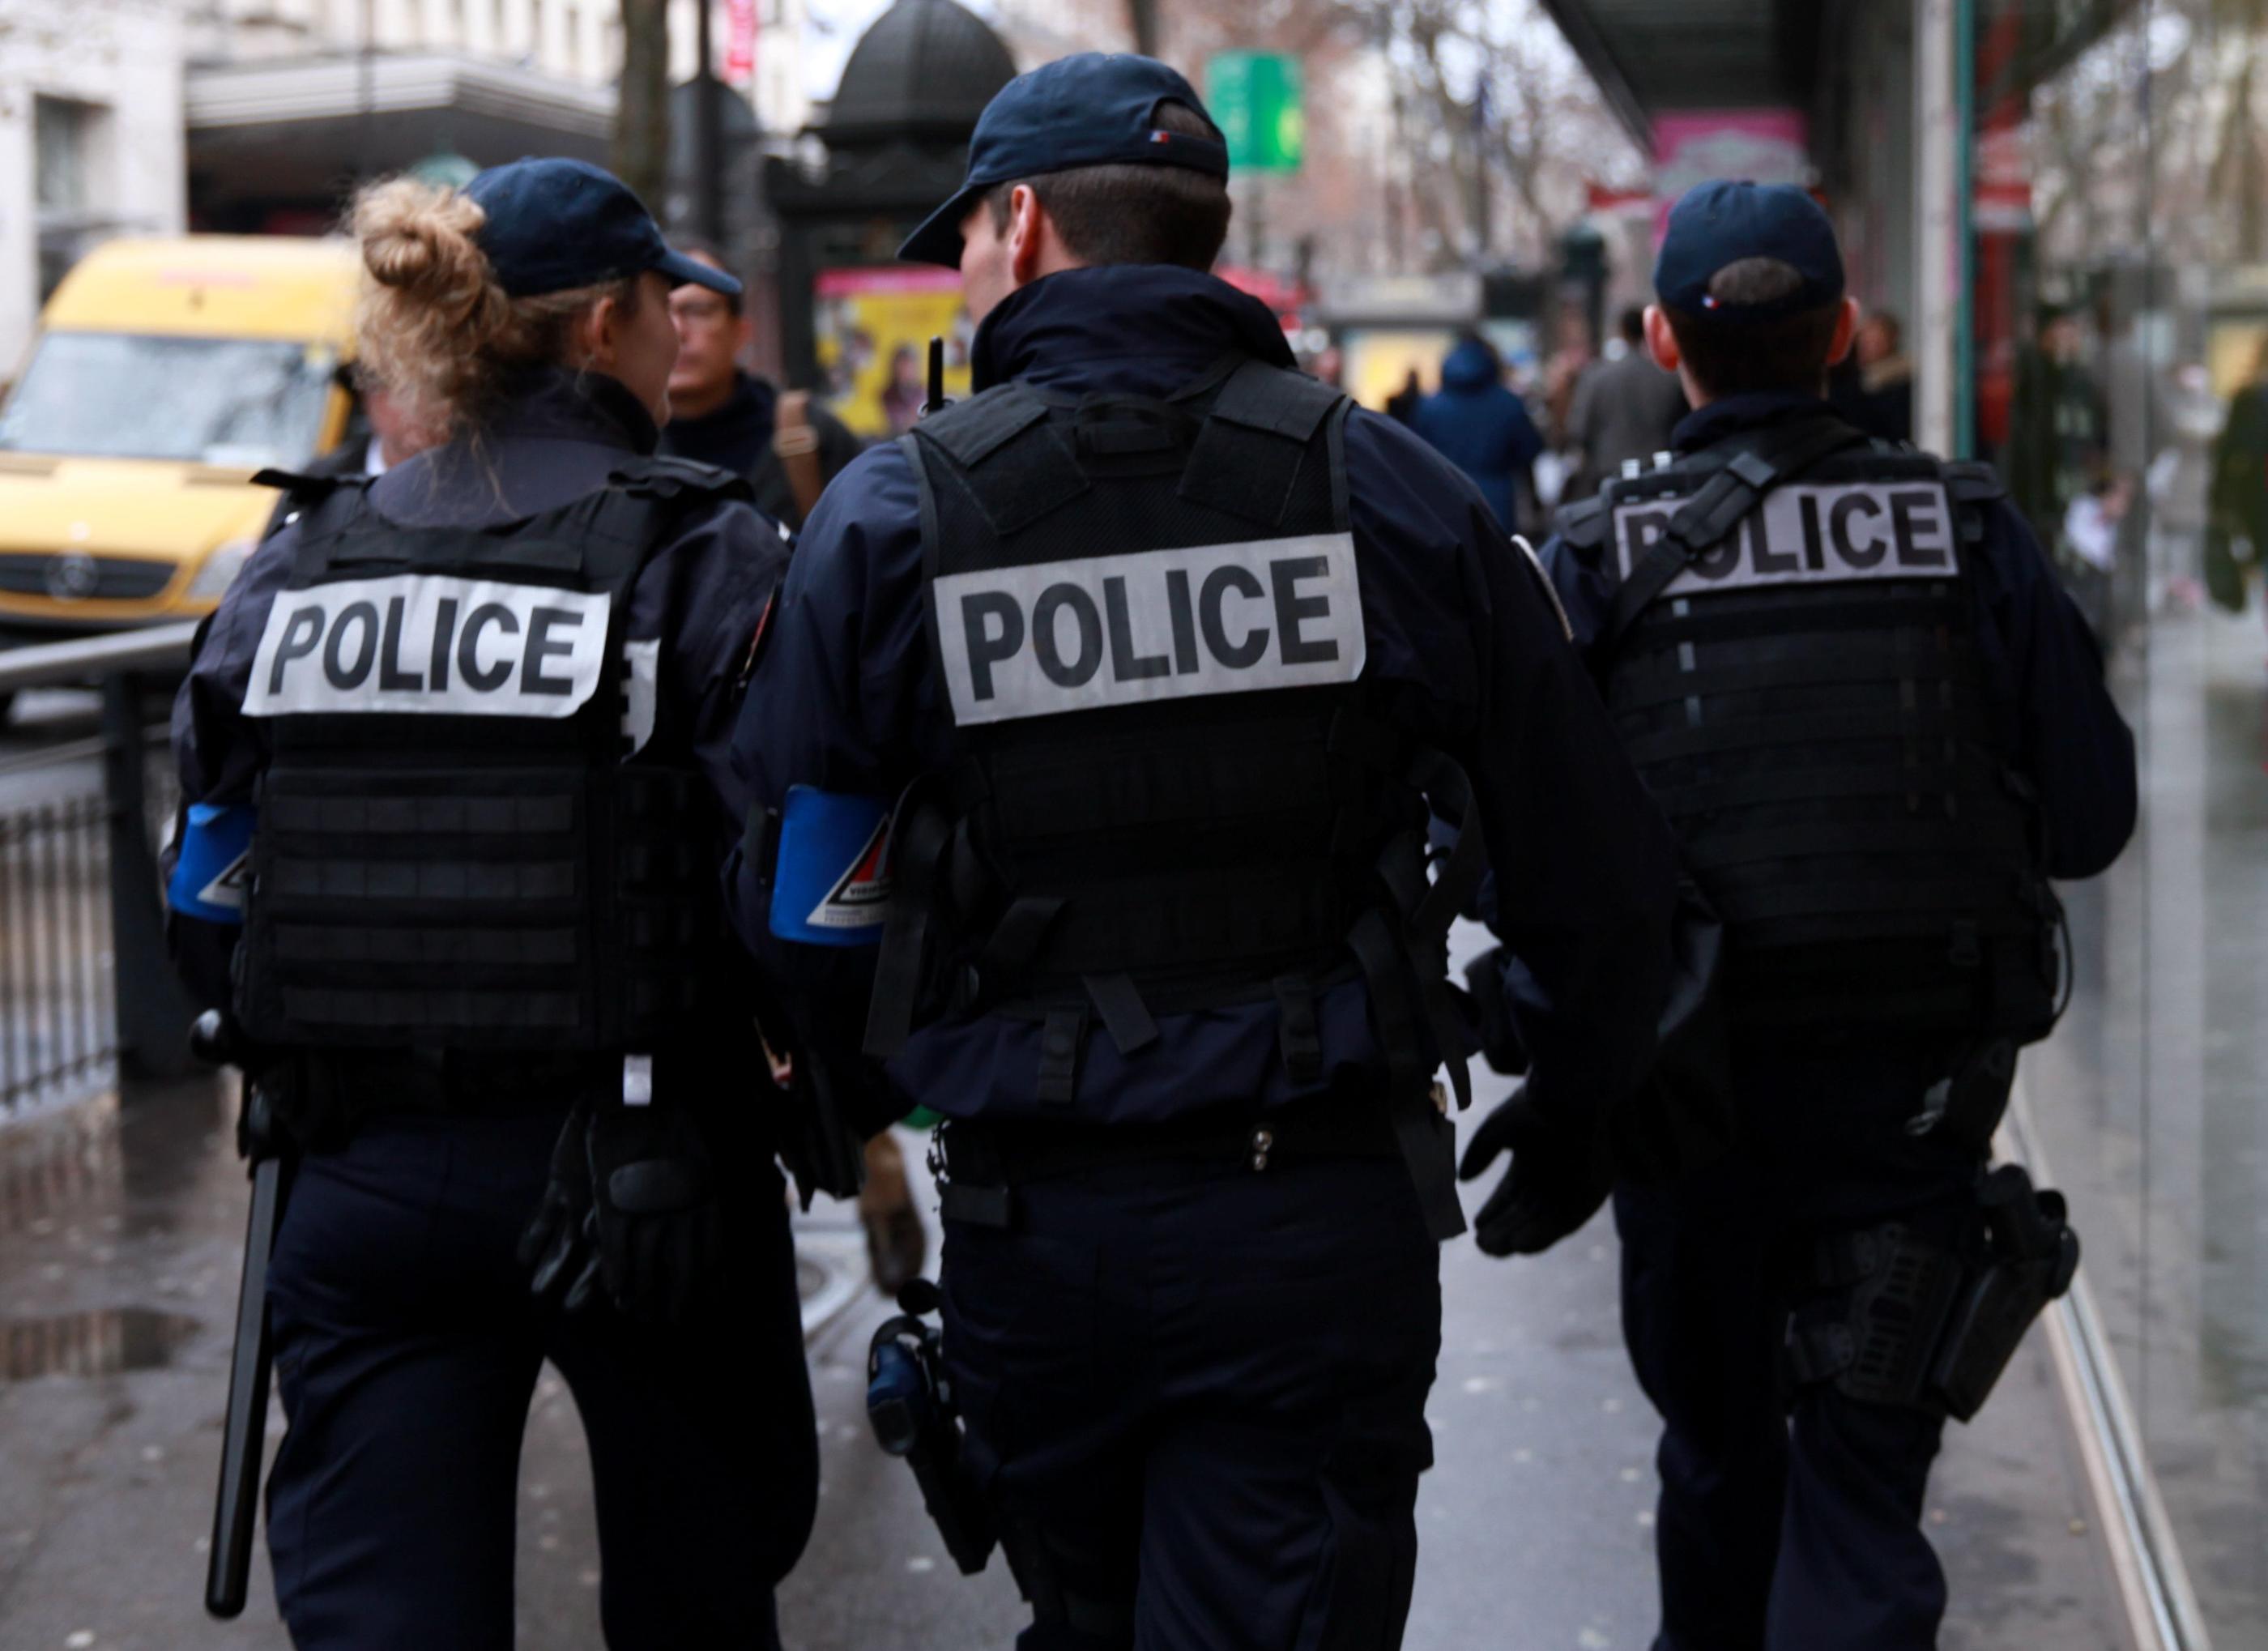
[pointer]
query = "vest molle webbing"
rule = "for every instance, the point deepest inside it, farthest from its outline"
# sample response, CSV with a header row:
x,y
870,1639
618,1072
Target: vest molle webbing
x,y
1169,795
1804,697
458,847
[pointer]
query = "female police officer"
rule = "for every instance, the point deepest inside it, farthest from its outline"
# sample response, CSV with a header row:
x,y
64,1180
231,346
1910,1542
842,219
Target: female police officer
x,y
470,717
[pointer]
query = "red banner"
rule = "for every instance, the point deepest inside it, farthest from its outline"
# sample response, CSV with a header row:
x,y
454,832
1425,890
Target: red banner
x,y
740,42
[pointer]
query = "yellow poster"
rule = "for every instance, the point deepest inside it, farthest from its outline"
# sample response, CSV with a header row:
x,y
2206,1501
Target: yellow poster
x,y
872,330
1379,361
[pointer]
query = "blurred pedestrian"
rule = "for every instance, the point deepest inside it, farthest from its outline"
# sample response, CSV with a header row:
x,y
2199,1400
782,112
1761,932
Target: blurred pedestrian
x,y
1563,374
786,443
905,394
1624,410
2058,448
1885,403
2236,526
1401,406
466,721
2141,426
1480,426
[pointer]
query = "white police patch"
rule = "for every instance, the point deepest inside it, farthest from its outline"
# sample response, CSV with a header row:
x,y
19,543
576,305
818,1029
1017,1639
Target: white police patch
x,y
419,643
1157,624
1809,533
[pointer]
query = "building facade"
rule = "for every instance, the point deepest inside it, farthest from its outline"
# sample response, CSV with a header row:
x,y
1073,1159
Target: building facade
x,y
90,141
575,40
289,101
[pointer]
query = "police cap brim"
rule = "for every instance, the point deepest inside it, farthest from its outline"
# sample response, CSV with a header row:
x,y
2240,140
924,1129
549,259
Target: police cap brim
x,y
680,269
937,241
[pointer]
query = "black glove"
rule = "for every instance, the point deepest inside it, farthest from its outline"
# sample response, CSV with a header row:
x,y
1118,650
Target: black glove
x,y
630,1209
1498,1032
1557,1180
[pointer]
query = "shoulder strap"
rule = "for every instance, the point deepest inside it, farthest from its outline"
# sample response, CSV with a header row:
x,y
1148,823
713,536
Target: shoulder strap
x,y
659,476
327,510
1975,487
1761,462
643,502
1249,452
302,484
971,432
306,495
1973,481
1014,464
1582,526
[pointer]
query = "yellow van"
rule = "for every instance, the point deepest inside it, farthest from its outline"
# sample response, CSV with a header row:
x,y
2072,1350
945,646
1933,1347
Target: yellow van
x,y
164,373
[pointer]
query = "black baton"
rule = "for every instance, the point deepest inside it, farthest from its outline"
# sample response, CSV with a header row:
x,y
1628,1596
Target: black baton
x,y
228,1570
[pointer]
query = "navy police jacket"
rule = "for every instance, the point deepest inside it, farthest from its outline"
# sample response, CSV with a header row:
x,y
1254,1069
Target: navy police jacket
x,y
2067,734
847,699
701,596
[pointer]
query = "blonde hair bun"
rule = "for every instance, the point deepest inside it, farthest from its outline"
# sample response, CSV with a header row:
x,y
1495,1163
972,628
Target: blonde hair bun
x,y
433,325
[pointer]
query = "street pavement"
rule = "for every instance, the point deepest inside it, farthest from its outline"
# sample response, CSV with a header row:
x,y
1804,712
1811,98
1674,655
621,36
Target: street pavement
x,y
118,1238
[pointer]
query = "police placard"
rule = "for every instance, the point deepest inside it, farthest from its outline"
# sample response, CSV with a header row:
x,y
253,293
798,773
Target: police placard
x,y
425,644
1808,532
1053,637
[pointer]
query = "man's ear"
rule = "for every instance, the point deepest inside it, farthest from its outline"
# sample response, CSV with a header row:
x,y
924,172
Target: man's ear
x,y
1027,235
1847,332
1660,342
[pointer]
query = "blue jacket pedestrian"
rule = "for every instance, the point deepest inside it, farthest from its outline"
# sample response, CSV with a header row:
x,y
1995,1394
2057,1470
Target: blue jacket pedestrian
x,y
1484,428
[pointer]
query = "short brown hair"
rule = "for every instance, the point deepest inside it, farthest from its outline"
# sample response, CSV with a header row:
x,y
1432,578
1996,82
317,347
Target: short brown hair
x,y
1127,213
1728,358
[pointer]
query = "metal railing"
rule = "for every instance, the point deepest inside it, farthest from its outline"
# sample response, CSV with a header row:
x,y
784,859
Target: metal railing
x,y
57,1018
85,984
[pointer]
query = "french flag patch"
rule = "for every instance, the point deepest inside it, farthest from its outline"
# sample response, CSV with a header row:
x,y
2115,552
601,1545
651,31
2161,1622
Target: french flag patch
x,y
1160,137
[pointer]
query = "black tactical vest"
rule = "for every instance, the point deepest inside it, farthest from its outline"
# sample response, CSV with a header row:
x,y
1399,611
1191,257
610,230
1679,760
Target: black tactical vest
x,y
1792,662
460,844
1169,791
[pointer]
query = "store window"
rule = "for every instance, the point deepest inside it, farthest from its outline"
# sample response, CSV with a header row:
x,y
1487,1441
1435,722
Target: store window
x,y
65,137
2119,332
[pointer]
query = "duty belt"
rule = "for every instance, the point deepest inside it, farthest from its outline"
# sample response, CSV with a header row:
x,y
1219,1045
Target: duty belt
x,y
979,1164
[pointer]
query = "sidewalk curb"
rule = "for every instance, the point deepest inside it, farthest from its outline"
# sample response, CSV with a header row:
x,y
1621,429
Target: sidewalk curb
x,y
2153,1576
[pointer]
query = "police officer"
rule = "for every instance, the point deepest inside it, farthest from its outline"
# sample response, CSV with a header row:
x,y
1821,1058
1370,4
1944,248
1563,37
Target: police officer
x,y
1161,652
1847,674
468,722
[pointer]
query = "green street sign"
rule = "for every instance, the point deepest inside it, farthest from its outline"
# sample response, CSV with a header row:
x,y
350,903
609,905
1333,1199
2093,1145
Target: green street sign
x,y
1255,99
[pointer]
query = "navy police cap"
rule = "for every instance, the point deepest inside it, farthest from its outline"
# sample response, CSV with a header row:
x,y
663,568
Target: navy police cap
x,y
1094,109
554,224
1716,223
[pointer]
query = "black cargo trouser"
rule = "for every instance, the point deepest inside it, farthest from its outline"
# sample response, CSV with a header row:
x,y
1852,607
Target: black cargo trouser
x,y
1196,1395
407,1349
1791,1530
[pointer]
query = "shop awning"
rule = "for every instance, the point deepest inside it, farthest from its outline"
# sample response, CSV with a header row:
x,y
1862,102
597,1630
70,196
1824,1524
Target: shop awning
x,y
292,128
1649,55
